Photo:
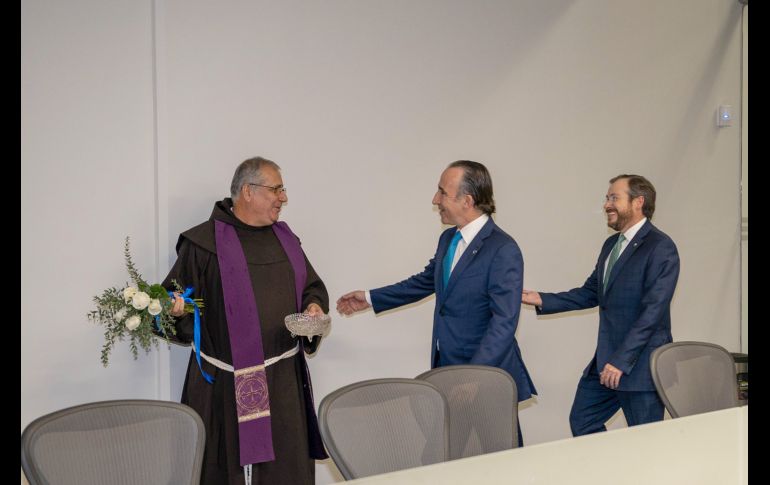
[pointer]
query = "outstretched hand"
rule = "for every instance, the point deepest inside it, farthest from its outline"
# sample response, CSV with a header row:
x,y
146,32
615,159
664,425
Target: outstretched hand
x,y
352,302
531,298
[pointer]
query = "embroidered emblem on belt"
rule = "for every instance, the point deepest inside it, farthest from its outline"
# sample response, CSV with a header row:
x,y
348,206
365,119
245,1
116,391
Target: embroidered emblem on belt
x,y
251,396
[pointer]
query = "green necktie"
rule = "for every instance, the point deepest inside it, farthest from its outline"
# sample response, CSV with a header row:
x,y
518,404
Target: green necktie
x,y
613,258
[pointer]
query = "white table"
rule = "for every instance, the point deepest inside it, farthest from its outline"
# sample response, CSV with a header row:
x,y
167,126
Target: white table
x,y
710,448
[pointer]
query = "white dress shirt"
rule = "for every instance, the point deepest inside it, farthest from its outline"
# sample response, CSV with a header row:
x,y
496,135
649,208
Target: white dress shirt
x,y
629,234
468,233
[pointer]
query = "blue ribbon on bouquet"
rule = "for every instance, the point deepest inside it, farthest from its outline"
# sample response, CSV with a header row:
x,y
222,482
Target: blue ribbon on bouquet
x,y
197,329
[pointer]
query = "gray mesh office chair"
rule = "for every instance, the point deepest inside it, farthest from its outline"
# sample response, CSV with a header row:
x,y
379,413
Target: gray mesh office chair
x,y
115,442
383,425
694,377
483,408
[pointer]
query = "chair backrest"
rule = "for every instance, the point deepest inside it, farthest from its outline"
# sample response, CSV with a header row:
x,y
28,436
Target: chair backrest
x,y
383,425
483,408
116,442
694,377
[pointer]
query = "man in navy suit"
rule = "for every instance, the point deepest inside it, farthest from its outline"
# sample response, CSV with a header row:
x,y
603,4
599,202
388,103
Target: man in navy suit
x,y
633,283
477,276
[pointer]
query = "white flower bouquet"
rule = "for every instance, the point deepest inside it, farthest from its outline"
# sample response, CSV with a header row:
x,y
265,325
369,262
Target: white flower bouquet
x,y
139,311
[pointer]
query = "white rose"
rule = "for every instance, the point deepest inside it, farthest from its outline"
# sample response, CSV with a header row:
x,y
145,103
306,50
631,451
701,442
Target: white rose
x,y
133,322
154,308
129,293
141,300
120,315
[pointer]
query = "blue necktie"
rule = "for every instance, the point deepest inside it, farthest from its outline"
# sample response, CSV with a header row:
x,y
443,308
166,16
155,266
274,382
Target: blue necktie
x,y
613,258
450,255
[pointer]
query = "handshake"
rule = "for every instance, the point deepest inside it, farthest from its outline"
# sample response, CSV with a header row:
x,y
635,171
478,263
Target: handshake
x,y
352,302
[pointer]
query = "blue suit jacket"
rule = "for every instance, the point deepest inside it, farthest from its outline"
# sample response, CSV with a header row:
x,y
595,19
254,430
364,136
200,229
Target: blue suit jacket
x,y
635,308
476,315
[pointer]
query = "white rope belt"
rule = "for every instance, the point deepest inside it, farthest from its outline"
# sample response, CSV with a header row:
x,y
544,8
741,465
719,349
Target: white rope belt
x,y
272,360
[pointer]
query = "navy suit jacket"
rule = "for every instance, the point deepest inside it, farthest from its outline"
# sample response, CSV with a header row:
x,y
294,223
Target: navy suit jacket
x,y
476,315
635,308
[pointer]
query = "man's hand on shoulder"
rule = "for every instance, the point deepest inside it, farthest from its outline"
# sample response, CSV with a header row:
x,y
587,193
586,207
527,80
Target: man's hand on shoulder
x,y
531,298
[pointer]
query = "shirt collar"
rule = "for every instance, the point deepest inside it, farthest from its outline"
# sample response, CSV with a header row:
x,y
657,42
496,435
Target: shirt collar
x,y
472,228
631,232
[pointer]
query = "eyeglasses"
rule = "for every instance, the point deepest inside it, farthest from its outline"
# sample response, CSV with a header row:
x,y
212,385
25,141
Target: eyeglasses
x,y
611,199
277,189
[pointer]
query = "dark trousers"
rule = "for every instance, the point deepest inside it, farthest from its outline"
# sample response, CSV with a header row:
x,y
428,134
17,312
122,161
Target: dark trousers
x,y
595,404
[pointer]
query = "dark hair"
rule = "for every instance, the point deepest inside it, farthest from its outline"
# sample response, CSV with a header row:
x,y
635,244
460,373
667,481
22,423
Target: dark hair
x,y
249,171
477,183
640,186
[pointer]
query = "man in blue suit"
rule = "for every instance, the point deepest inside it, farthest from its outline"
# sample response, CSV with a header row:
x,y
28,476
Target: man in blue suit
x,y
477,276
633,283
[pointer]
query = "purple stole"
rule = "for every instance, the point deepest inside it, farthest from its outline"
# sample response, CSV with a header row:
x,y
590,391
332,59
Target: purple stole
x,y
251,394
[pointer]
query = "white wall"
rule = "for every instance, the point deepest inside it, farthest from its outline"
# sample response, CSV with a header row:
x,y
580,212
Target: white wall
x,y
363,104
745,185
87,182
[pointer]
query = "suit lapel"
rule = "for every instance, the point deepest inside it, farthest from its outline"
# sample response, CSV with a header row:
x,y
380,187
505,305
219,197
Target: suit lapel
x,y
627,254
438,270
469,255
606,250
